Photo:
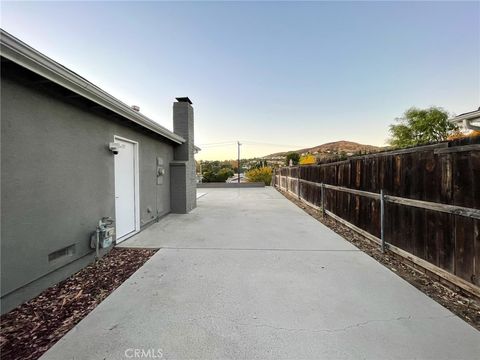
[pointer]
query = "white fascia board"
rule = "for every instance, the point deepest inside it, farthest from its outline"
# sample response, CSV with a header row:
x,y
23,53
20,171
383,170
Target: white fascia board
x,y
468,119
29,58
469,124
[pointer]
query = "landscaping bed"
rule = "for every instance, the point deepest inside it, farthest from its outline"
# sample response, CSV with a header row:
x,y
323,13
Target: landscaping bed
x,y
33,327
458,302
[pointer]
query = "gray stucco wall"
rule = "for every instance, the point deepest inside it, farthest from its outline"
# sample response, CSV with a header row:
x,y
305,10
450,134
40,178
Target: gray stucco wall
x,y
57,181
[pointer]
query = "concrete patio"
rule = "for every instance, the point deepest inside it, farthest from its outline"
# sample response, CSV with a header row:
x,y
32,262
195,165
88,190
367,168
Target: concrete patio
x,y
248,275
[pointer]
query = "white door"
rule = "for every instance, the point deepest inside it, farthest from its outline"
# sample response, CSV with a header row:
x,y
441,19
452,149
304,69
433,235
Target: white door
x,y
125,189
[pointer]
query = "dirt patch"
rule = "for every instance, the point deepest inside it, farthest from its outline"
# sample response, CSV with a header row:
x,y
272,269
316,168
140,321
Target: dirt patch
x,y
32,328
458,302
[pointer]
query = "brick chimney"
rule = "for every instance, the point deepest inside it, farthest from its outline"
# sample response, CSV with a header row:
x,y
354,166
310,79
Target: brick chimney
x,y
182,175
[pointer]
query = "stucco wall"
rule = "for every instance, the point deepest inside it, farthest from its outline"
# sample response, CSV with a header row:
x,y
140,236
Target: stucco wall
x,y
57,180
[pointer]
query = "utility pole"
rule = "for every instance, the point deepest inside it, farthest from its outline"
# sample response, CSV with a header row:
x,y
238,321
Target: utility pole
x,y
238,165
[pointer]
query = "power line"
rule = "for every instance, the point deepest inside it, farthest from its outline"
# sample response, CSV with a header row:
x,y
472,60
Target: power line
x,y
227,143
219,145
219,142
271,144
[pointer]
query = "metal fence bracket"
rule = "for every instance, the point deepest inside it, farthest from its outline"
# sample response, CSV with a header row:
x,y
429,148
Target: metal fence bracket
x,y
323,199
382,220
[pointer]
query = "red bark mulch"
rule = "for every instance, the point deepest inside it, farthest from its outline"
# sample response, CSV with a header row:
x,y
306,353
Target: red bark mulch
x,y
33,327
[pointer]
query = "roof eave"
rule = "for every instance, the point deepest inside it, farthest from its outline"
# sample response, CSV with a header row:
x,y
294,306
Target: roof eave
x,y
473,115
467,119
31,59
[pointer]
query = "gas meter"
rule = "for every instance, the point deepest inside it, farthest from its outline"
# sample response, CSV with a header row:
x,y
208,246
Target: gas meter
x,y
103,235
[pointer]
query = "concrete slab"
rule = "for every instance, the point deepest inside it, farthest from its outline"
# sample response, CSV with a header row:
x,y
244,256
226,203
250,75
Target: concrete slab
x,y
253,218
307,296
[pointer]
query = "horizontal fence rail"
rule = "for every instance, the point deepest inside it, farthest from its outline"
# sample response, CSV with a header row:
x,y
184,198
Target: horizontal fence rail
x,y
423,205
451,209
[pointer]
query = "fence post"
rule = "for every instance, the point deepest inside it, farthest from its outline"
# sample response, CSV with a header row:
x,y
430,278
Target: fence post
x,y
323,199
382,220
287,179
298,182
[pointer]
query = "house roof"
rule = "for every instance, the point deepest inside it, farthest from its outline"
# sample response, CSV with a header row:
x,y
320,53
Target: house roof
x,y
20,53
471,115
470,120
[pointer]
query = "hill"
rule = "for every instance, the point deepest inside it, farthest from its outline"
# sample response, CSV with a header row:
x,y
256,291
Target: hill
x,y
337,147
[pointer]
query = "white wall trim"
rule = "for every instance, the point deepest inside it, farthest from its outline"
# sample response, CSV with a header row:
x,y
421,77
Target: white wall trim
x,y
136,170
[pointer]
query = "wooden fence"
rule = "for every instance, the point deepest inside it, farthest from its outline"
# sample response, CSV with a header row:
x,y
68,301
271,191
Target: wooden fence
x,y
430,197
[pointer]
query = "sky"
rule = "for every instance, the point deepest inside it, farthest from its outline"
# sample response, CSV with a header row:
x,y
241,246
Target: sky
x,y
276,76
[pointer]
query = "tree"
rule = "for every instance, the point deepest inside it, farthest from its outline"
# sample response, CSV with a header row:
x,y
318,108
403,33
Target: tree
x,y
421,126
307,159
259,164
263,174
295,157
217,176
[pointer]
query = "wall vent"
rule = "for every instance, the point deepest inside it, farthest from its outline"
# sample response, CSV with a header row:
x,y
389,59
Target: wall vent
x,y
63,252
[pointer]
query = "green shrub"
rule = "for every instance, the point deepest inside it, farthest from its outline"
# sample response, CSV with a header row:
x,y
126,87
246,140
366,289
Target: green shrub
x,y
217,176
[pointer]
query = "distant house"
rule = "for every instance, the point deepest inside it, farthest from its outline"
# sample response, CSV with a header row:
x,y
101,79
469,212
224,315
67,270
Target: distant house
x,y
469,120
71,155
